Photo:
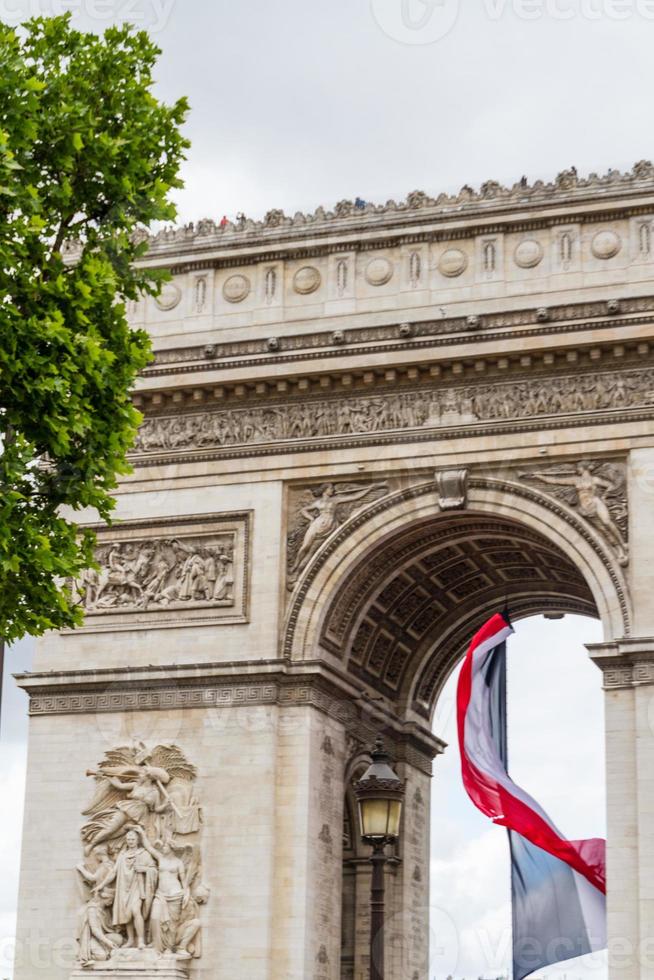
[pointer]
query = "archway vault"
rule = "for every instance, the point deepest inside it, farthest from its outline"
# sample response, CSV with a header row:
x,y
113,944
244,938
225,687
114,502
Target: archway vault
x,y
395,594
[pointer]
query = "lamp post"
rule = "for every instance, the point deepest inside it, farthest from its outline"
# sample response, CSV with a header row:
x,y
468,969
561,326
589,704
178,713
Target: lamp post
x,y
379,793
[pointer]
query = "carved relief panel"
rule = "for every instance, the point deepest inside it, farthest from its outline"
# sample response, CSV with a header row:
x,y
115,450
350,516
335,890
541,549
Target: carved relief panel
x,y
142,868
316,511
169,573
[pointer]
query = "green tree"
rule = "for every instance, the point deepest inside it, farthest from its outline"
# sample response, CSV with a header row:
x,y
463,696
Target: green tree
x,y
88,158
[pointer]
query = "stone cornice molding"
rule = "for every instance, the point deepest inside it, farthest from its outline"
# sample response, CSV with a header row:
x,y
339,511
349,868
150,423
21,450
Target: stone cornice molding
x,y
450,331
238,684
625,663
493,205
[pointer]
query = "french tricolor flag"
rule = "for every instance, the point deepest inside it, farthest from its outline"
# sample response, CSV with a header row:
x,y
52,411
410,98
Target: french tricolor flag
x,y
558,886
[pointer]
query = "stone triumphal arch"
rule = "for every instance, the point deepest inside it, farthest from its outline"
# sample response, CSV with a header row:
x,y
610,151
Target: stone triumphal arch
x,y
363,430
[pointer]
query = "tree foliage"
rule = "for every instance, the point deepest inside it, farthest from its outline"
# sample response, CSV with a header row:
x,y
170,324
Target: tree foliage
x,y
88,156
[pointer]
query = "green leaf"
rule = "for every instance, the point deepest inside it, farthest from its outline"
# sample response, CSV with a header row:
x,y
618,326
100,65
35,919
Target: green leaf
x,y
87,151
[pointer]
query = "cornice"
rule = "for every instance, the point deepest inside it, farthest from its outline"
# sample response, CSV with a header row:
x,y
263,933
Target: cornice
x,y
625,663
567,196
418,335
238,684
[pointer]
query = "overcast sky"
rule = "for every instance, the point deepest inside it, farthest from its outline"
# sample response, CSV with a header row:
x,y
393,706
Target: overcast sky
x,y
296,104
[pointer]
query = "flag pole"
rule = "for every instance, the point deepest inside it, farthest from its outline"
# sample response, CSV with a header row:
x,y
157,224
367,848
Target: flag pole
x,y
505,736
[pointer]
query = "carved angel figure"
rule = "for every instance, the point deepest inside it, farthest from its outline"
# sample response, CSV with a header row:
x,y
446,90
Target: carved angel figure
x,y
591,493
323,517
131,789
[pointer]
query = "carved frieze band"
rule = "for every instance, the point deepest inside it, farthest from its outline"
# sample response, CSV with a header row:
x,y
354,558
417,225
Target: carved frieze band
x,y
428,408
208,696
154,573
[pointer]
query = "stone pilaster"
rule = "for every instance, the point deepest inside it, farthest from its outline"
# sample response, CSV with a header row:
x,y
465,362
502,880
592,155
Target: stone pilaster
x,y
628,668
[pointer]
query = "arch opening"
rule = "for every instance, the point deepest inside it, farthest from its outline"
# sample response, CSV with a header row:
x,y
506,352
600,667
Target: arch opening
x,y
395,602
400,620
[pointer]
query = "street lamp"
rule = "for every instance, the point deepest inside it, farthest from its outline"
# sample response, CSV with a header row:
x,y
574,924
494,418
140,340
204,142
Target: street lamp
x,y
379,794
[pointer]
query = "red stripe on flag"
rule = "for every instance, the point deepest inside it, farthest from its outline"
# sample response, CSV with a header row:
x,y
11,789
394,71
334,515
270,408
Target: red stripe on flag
x,y
497,802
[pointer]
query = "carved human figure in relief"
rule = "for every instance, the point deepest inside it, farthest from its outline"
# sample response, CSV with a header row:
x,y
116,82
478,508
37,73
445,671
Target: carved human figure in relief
x,y
131,790
171,897
96,936
590,490
135,878
158,573
323,517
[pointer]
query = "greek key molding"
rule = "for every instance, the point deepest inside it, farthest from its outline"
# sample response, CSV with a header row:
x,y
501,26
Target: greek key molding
x,y
627,662
628,675
83,692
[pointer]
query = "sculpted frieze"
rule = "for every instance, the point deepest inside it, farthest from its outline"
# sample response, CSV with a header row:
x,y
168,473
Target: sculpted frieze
x,y
155,572
425,407
141,875
161,574
597,491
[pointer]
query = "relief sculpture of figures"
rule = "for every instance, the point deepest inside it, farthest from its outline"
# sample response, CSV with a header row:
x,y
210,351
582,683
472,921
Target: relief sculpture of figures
x,y
159,573
319,512
597,491
141,872
435,407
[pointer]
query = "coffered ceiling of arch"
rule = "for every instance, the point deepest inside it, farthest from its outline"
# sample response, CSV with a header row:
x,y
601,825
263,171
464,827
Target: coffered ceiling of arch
x,y
433,583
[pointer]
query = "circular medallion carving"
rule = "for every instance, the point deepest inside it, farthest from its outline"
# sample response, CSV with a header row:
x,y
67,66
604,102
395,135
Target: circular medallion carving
x,y
378,272
169,296
606,244
452,263
236,288
528,254
306,280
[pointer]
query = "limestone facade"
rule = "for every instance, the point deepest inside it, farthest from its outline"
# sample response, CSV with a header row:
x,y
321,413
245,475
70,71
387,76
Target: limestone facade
x,y
362,429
